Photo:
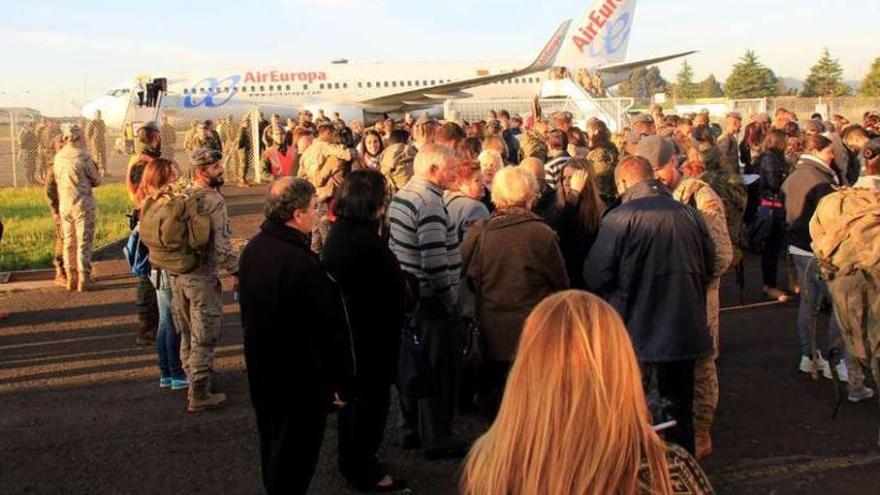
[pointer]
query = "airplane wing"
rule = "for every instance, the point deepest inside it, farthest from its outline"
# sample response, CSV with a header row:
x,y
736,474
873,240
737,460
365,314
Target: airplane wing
x,y
429,95
628,66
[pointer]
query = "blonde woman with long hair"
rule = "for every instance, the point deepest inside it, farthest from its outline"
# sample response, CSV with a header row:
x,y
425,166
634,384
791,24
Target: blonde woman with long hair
x,y
574,419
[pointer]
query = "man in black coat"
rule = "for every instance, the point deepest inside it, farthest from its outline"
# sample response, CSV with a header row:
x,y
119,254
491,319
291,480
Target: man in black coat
x,y
652,260
297,345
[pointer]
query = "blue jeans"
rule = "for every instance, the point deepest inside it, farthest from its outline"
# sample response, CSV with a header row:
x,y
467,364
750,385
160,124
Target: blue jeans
x,y
813,290
167,339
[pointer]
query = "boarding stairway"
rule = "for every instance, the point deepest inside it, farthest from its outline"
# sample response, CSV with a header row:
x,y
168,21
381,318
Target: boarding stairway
x,y
556,95
136,116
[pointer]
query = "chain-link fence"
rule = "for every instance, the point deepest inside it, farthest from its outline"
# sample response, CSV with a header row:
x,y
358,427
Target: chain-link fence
x,y
28,144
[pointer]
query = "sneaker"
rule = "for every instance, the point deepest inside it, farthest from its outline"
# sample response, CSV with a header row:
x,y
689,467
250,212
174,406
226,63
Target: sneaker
x,y
179,384
774,293
807,365
823,365
864,393
842,372
164,382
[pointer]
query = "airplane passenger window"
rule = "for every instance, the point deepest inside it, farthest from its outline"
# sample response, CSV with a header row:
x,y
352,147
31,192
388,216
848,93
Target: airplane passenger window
x,y
424,83
253,88
185,91
393,84
321,86
336,85
271,87
287,87
386,84
417,83
262,88
360,85
305,87
244,89
369,84
345,85
433,82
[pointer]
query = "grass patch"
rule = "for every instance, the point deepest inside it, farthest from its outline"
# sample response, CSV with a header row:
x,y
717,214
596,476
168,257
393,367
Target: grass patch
x,y
29,230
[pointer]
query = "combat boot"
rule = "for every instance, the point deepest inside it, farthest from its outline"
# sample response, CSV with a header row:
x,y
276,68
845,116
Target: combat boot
x,y
60,277
71,281
199,398
85,283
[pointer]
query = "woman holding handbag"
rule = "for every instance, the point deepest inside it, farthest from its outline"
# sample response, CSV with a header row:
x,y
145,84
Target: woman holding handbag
x,y
511,261
771,212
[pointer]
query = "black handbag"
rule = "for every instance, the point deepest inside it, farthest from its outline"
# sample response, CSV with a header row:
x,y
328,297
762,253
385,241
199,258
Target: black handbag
x,y
415,373
473,350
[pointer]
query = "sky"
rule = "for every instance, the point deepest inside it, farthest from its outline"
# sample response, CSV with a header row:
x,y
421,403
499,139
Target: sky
x,y
56,56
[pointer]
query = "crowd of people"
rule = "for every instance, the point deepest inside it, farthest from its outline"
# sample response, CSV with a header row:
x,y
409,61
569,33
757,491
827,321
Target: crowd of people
x,y
561,282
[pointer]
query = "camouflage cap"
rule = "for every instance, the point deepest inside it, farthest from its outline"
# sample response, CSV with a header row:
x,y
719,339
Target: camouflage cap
x,y
656,150
71,132
205,156
641,118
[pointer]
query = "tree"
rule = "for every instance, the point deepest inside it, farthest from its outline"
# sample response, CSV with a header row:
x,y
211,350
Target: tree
x,y
643,83
750,79
826,78
684,86
871,83
710,88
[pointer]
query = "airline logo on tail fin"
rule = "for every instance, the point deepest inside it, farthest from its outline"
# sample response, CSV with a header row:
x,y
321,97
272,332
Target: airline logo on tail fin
x,y
548,55
601,36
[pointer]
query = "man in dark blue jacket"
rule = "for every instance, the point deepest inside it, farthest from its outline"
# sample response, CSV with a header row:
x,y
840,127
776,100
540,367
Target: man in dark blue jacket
x,y
652,260
297,346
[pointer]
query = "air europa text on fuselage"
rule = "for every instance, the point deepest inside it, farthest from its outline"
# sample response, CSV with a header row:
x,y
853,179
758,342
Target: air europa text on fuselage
x,y
597,20
278,76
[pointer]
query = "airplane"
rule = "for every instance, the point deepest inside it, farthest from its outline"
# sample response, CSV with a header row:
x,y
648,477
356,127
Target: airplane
x,y
357,91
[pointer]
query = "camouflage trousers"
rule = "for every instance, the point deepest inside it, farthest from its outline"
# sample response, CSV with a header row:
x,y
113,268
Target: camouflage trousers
x,y
58,252
78,230
197,308
705,372
856,299
244,164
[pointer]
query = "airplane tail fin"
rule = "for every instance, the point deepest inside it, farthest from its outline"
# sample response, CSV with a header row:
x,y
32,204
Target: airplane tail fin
x,y
600,37
547,58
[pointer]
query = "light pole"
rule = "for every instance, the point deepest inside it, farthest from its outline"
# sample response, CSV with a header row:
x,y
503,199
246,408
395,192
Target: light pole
x,y
12,141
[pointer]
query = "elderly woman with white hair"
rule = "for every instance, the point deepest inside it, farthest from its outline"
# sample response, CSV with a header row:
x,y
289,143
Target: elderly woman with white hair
x,y
511,261
491,162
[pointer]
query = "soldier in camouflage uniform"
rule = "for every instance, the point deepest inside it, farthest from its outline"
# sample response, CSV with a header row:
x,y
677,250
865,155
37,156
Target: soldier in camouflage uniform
x,y
728,148
46,148
844,231
76,174
325,163
245,152
730,188
28,143
58,252
169,139
189,139
207,137
603,155
197,302
700,196
96,133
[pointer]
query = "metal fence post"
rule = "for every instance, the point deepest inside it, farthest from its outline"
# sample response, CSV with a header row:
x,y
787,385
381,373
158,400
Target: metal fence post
x,y
255,145
12,145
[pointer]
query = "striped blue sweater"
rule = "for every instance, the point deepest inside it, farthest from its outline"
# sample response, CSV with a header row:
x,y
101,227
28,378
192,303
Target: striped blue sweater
x,y
424,240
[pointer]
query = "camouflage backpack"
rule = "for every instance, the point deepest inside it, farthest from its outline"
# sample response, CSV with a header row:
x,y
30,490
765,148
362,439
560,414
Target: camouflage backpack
x,y
175,229
846,231
396,164
532,145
